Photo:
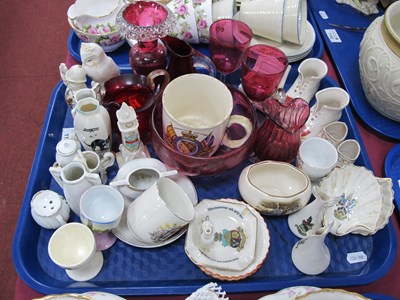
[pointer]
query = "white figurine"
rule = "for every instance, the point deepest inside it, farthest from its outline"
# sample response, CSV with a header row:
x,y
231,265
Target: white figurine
x,y
97,64
75,79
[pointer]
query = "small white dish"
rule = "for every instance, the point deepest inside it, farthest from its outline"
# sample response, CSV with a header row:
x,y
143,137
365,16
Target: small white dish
x,y
261,251
232,240
123,233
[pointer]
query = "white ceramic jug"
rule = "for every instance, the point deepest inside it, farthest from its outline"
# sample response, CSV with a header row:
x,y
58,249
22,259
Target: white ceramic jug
x,y
92,125
74,179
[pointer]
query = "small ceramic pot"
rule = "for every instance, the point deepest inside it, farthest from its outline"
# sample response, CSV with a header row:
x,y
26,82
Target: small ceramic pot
x,y
49,209
274,188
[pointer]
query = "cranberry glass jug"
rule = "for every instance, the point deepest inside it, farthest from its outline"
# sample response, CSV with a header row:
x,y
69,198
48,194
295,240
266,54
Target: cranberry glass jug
x,y
279,136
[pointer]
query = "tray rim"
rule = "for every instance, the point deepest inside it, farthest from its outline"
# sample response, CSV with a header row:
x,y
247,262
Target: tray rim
x,y
395,151
180,288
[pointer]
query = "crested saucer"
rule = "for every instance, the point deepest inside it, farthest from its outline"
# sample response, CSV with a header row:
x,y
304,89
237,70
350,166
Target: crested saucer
x,y
261,251
232,239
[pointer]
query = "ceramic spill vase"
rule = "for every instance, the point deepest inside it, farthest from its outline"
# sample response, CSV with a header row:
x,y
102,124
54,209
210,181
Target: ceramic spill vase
x,y
379,62
92,125
310,255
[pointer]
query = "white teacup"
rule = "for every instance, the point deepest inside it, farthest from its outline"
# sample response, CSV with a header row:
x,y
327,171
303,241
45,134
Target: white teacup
x,y
101,209
197,110
316,157
49,209
96,165
294,21
159,212
264,17
73,248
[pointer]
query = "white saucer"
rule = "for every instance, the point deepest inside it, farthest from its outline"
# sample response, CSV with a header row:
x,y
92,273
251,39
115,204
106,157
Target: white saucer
x,y
123,233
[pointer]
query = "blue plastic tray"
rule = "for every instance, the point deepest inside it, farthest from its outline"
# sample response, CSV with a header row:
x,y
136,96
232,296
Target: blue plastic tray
x,y
121,58
345,59
167,270
392,170
379,297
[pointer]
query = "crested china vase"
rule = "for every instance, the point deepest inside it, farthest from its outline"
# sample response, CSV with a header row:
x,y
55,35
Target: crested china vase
x,y
310,255
379,62
92,125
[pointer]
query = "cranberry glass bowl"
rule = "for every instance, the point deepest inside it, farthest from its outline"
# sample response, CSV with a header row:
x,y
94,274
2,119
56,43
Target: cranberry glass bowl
x,y
224,159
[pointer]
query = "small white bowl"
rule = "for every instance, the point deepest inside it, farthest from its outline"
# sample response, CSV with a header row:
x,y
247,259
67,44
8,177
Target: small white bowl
x,y
274,188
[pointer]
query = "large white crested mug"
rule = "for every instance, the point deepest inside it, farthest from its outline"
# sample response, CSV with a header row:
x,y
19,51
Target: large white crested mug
x,y
159,212
74,179
197,110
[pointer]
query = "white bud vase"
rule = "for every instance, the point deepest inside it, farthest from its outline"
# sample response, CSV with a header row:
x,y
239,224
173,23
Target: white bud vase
x,y
310,255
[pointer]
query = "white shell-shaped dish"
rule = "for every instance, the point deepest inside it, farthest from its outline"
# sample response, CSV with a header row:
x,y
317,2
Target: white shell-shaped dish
x,y
233,240
364,207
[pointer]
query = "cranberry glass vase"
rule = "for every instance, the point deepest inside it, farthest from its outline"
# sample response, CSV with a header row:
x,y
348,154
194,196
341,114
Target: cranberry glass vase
x,y
146,22
279,136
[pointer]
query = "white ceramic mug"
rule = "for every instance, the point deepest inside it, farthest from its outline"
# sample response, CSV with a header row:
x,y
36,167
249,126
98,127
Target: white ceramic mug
x,y
73,248
49,209
159,212
95,164
316,157
74,179
197,110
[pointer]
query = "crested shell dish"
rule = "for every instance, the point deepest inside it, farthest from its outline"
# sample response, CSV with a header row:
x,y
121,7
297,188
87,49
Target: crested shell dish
x,y
364,204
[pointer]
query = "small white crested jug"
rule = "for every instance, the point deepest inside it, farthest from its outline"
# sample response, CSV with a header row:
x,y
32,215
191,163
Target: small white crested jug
x,y
74,179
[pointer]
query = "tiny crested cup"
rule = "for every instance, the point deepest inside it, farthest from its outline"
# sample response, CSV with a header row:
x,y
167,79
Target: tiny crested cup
x,y
159,212
101,210
316,157
197,110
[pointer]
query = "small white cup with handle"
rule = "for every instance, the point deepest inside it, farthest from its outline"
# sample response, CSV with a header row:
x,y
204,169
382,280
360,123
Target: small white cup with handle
x,y
49,209
159,212
197,110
